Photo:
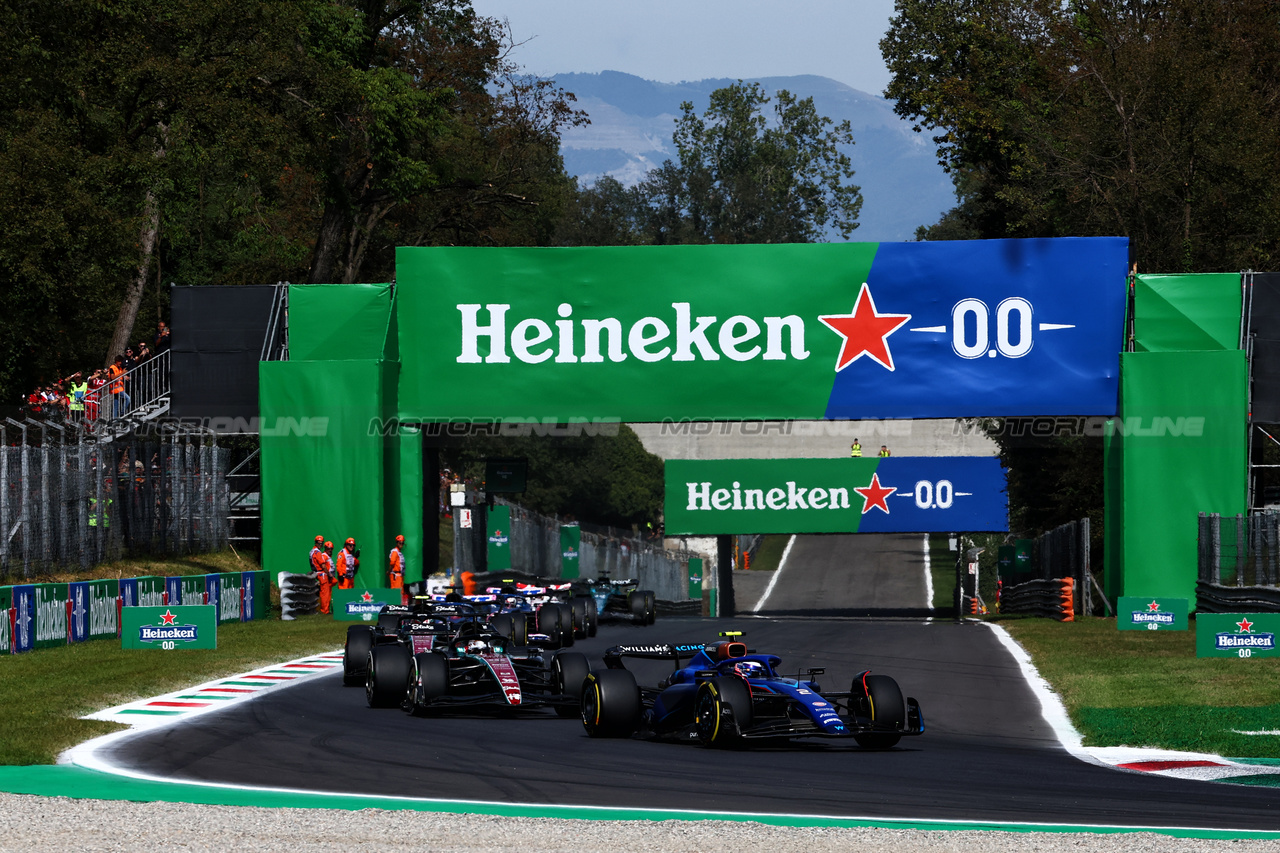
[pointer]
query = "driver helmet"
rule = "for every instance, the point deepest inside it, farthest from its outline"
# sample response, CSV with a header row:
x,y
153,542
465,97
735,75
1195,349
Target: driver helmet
x,y
749,669
475,646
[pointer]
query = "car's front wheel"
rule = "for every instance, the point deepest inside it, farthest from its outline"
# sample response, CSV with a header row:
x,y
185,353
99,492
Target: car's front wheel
x,y
611,703
879,699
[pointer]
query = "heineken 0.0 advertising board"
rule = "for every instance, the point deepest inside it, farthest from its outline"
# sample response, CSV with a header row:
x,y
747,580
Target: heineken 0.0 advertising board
x,y
499,549
51,615
182,626
362,605
1236,635
842,495
695,578
1135,613
811,331
570,550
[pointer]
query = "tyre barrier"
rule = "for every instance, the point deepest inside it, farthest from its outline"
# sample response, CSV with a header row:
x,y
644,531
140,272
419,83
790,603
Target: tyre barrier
x,y
299,594
1215,598
1053,599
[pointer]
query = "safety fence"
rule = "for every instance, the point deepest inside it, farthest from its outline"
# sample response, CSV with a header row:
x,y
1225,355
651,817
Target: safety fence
x,y
1238,560
603,552
43,615
1063,552
68,505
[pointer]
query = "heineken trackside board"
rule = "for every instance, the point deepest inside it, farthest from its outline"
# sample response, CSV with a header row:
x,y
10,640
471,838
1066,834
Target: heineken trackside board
x,y
183,626
810,331
1135,613
1236,635
362,605
896,494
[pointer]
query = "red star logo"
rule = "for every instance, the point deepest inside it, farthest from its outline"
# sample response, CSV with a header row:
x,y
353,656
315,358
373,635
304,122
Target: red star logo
x,y
1244,625
167,618
874,495
865,331
368,596
1153,606
497,533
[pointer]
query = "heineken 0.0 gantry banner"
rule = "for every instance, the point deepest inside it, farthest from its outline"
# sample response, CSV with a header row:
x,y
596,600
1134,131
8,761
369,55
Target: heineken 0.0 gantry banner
x,y
812,331
908,494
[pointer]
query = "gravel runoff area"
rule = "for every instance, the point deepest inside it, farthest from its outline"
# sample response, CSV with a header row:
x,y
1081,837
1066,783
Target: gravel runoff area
x,y
54,824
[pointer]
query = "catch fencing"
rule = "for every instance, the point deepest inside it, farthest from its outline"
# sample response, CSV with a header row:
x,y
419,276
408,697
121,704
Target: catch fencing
x,y
603,552
1238,560
78,504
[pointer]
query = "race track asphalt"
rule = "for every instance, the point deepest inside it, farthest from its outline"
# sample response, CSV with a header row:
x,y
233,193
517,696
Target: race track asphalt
x,y
987,755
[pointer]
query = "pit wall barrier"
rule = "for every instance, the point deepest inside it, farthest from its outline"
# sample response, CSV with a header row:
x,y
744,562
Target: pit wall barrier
x,y
44,615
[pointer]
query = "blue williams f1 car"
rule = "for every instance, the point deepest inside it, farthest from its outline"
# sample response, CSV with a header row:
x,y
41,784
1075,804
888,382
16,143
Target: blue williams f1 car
x,y
727,694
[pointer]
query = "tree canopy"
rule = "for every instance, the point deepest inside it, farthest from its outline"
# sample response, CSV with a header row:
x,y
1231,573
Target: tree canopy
x,y
741,177
1154,121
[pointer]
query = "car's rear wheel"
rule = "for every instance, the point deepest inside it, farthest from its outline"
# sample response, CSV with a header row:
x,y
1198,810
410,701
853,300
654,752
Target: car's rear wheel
x,y
722,709
549,623
566,624
504,625
569,671
578,606
650,606
639,610
611,704
388,676
430,681
881,702
593,616
355,653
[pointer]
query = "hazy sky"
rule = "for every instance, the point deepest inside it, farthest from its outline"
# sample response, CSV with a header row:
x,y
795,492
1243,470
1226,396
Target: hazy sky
x,y
675,40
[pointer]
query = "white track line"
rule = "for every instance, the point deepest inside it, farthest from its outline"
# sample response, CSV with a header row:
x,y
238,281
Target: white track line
x,y
777,573
928,575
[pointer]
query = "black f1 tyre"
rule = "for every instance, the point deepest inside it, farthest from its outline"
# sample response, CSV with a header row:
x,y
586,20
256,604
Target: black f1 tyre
x,y
650,607
566,624
569,671
638,607
882,703
504,624
593,616
578,607
430,680
355,654
548,617
722,709
611,703
388,676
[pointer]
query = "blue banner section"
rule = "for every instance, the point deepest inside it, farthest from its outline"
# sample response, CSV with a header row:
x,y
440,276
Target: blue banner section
x,y
246,601
24,626
984,328
914,494
212,591
128,592
78,593
173,591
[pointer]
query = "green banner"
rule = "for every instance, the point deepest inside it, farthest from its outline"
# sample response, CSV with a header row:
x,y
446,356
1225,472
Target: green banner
x,y
339,322
6,602
570,550
362,605
229,592
1236,635
151,591
51,615
103,613
1179,313
499,538
1183,427
168,628
695,578
193,590
1134,613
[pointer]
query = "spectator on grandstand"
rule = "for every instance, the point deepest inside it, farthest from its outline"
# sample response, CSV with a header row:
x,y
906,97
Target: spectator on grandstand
x,y
162,338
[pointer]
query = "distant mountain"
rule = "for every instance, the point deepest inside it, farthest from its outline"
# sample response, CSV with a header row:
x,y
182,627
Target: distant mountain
x,y
632,120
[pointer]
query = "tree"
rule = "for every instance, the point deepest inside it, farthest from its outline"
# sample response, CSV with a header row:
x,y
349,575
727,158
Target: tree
x,y
743,179
1153,121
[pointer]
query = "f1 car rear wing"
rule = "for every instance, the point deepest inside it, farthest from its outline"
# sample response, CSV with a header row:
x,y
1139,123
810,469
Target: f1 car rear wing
x,y
653,651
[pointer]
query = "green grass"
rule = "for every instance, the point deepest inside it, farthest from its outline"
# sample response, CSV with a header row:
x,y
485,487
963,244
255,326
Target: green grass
x,y
1147,688
769,554
43,693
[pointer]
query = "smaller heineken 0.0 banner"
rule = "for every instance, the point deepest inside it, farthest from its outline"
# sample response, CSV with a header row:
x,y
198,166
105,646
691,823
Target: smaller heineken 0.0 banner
x,y
570,550
1236,635
695,578
499,538
913,494
1134,613
189,626
362,605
